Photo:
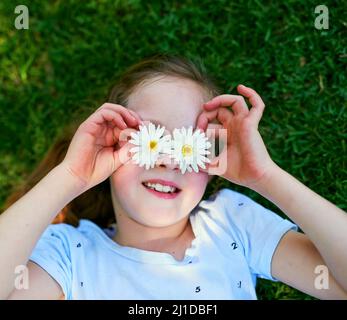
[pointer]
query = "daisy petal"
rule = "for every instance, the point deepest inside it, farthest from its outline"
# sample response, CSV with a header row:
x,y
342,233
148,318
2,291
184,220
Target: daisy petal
x,y
195,167
202,165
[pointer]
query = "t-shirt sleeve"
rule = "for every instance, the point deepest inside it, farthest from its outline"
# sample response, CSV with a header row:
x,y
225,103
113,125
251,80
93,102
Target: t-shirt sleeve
x,y
259,230
52,253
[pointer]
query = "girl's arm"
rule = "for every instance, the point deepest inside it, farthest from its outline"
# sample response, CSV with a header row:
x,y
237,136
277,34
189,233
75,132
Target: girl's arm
x,y
22,224
249,164
90,159
323,223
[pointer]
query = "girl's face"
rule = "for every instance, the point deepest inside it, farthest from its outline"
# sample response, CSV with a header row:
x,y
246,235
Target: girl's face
x,y
173,103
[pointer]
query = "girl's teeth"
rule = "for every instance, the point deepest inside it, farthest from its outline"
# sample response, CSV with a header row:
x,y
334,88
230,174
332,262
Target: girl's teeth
x,y
160,188
166,189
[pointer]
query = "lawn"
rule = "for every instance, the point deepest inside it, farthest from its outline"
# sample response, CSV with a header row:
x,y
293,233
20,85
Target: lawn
x,y
64,64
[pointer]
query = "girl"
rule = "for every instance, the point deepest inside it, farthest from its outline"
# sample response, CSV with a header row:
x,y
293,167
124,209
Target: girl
x,y
181,247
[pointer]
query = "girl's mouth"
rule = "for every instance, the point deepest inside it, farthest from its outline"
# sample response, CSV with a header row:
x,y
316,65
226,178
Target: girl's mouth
x,y
162,190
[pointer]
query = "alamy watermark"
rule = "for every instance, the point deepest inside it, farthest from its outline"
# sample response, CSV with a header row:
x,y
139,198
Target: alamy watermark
x,y
22,20
21,281
322,20
322,280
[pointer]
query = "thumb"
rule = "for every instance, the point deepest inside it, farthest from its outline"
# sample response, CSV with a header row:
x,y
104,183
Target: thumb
x,y
122,156
209,166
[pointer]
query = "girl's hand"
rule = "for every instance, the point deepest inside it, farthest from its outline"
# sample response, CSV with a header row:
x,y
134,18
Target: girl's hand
x,y
91,156
248,161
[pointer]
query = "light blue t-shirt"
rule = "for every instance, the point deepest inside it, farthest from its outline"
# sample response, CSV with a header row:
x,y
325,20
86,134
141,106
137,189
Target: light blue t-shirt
x,y
235,239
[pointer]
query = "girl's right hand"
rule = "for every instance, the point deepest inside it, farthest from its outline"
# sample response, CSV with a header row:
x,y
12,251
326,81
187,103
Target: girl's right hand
x,y
91,156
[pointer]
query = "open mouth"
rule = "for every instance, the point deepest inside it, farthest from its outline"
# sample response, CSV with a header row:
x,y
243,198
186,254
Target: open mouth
x,y
162,189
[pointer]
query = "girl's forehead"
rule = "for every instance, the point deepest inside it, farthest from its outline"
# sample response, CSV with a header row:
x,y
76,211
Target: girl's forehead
x,y
170,122
170,116
172,104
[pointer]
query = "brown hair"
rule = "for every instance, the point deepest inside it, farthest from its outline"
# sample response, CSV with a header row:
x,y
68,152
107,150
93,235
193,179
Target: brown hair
x,y
95,204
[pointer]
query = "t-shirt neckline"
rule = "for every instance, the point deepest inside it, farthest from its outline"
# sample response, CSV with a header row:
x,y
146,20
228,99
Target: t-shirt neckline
x,y
151,257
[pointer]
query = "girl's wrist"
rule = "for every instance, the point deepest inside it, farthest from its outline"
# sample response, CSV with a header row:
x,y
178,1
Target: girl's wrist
x,y
73,184
263,184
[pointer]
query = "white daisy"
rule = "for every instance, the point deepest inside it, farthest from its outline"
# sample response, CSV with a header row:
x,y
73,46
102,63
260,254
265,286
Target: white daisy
x,y
189,149
149,145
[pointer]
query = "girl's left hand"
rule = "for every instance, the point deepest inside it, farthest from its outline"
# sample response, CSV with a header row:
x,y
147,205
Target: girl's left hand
x,y
248,161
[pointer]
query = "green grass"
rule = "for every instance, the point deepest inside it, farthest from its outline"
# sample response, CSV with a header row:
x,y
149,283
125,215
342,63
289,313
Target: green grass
x,y
74,50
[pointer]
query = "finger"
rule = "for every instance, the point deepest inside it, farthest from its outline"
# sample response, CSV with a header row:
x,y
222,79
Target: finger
x,y
122,156
125,113
236,102
256,101
110,105
107,115
210,165
123,136
139,120
202,121
223,115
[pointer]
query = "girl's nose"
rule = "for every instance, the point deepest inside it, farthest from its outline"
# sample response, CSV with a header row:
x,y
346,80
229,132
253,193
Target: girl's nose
x,y
167,162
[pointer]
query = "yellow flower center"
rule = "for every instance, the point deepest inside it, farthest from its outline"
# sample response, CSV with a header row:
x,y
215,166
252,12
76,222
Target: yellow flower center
x,y
153,145
187,150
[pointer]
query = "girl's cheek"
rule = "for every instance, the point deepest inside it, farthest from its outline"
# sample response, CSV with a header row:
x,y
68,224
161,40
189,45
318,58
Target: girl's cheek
x,y
126,176
197,181
202,177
